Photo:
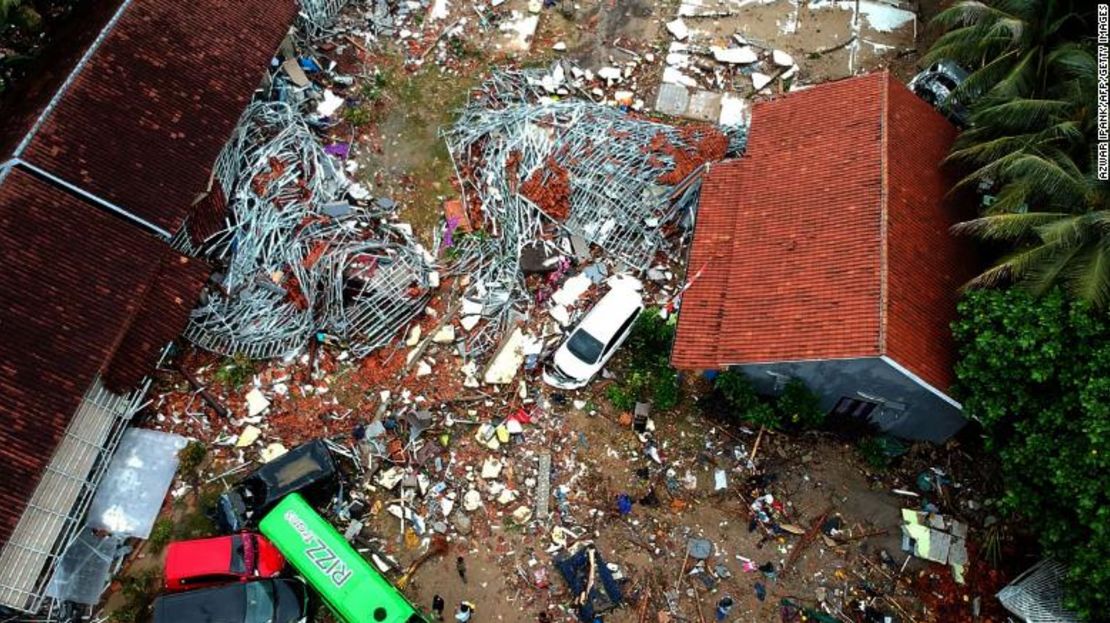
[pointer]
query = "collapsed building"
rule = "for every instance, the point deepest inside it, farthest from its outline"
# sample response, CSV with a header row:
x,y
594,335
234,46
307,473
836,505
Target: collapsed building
x,y
565,174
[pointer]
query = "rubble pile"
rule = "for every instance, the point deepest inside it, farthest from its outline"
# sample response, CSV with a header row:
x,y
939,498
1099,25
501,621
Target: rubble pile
x,y
565,173
302,252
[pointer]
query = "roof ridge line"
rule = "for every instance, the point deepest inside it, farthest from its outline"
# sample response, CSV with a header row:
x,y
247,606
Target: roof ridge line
x,y
884,225
70,79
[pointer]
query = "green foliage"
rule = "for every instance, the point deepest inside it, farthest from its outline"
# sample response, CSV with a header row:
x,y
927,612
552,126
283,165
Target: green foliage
x,y
1031,140
1036,374
799,407
461,49
160,535
190,458
374,89
621,397
873,452
138,592
235,371
358,116
650,376
1005,43
795,408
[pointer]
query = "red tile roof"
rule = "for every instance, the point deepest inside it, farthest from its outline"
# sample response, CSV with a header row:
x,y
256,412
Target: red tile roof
x,y
86,292
828,238
74,279
162,316
21,105
144,121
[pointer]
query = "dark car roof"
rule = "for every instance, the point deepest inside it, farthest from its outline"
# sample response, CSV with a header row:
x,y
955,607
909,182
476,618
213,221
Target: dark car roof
x,y
300,467
228,604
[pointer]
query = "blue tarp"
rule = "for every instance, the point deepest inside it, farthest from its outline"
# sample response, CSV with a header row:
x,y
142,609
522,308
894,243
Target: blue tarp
x,y
605,594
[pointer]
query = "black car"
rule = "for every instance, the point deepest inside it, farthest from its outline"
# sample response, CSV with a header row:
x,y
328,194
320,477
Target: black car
x,y
308,469
936,85
261,601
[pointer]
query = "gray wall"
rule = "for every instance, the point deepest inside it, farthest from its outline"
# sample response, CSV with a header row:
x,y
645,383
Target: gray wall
x,y
906,409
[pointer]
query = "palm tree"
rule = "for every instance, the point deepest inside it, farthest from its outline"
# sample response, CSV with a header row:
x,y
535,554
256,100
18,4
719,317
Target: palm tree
x,y
1030,138
1005,43
1039,153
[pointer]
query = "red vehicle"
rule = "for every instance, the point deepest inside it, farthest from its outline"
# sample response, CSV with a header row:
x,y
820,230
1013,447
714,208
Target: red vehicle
x,y
220,560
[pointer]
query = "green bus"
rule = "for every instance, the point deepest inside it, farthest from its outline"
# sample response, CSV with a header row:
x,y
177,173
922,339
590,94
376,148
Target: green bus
x,y
348,584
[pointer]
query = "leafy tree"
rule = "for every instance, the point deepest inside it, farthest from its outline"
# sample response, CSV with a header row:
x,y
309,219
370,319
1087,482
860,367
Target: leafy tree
x,y
1035,372
1031,91
740,394
1050,208
1006,44
795,408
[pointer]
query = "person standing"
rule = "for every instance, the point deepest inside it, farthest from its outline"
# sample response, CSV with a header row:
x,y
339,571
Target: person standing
x,y
465,612
724,606
460,566
437,606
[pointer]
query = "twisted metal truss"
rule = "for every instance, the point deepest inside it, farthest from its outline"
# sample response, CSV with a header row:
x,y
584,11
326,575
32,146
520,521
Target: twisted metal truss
x,y
510,130
287,268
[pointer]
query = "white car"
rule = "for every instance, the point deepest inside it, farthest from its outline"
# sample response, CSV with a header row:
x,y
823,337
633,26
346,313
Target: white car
x,y
594,340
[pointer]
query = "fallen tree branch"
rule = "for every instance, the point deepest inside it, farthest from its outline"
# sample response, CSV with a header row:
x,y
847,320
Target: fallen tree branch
x,y
203,392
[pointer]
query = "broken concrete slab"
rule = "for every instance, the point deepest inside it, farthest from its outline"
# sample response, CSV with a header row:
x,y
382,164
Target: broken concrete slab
x,y
256,402
678,29
672,99
704,106
743,55
734,110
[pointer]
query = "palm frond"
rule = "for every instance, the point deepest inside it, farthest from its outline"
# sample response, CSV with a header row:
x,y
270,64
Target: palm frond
x,y
989,150
1013,267
1049,176
1019,81
1073,60
967,13
1066,232
1013,198
1021,114
982,80
1088,277
1041,270
1020,226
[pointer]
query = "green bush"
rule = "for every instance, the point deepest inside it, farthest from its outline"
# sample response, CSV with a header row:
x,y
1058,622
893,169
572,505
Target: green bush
x,y
739,393
620,397
1035,371
160,535
234,371
357,116
798,407
190,458
650,376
